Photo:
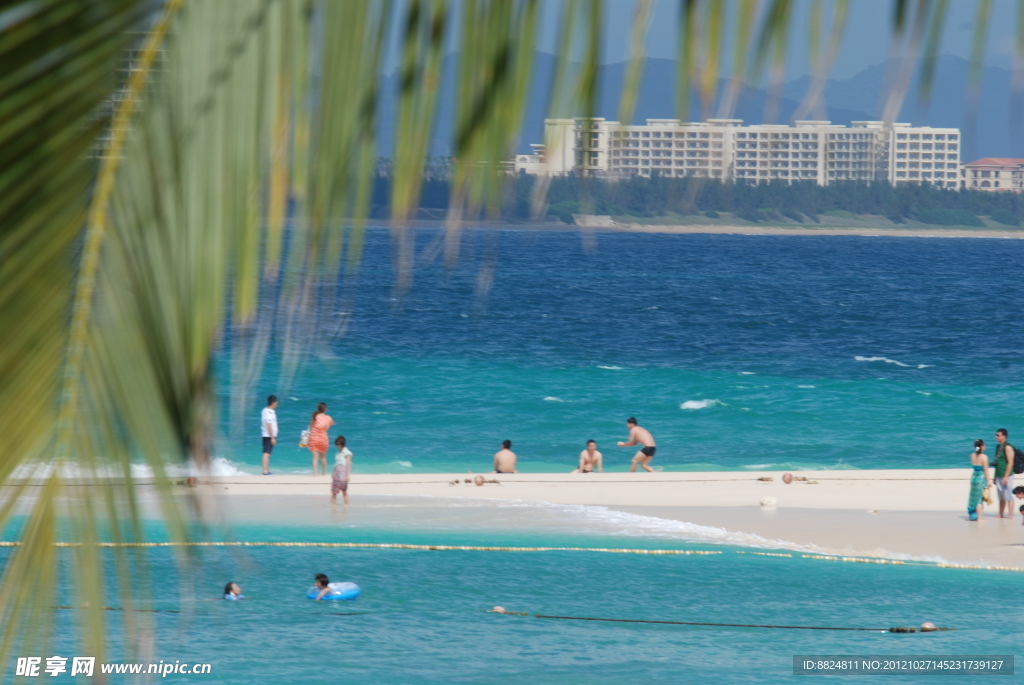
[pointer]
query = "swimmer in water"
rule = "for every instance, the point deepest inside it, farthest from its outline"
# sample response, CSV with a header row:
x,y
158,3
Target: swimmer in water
x,y
233,591
324,584
590,459
640,436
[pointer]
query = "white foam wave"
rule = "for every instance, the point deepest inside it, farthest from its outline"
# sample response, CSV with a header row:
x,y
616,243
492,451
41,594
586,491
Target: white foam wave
x,y
553,399
611,368
758,467
219,466
806,386
891,361
620,523
746,373
700,404
880,359
405,464
922,392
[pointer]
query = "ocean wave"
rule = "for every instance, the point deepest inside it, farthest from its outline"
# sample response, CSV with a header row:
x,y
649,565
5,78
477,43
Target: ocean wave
x,y
611,368
219,466
891,361
806,386
553,399
746,373
700,404
405,464
605,521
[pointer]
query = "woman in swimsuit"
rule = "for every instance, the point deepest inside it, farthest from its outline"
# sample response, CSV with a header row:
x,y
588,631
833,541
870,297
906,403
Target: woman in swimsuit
x,y
318,426
979,479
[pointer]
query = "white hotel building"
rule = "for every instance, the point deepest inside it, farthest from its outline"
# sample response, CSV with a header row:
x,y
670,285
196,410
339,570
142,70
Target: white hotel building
x,y
815,151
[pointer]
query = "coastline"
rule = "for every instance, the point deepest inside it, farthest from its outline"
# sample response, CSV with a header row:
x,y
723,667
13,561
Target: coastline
x,y
717,229
917,514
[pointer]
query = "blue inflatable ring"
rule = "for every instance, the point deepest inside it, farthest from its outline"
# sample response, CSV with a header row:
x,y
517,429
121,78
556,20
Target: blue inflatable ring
x,y
338,591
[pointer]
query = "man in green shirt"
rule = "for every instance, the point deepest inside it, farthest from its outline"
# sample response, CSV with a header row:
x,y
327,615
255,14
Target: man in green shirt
x,y
1003,478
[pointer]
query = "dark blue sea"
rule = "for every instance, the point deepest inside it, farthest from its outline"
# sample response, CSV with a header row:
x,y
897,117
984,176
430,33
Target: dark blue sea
x,y
736,352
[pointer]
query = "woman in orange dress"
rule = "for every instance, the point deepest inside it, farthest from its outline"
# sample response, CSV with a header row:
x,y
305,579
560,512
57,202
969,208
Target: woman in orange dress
x,y
318,426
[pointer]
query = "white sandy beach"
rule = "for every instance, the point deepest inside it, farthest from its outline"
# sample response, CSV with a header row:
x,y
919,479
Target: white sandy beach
x,y
885,513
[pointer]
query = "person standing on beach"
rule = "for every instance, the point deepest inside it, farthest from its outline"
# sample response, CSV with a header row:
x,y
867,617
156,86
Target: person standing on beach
x,y
268,429
505,459
342,467
979,480
317,444
590,459
1003,479
640,436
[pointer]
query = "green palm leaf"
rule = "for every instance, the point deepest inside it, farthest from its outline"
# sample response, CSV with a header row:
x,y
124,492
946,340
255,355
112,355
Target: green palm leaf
x,y
220,189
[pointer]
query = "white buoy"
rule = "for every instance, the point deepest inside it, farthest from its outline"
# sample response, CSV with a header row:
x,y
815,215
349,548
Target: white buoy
x,y
928,627
768,502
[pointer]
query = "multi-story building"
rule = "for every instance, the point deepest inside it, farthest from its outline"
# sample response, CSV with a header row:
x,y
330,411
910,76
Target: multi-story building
x,y
994,174
815,151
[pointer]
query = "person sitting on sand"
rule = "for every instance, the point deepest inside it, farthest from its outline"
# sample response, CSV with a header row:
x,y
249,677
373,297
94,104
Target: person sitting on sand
x,y
342,468
324,583
233,591
640,436
505,459
979,479
1018,492
590,459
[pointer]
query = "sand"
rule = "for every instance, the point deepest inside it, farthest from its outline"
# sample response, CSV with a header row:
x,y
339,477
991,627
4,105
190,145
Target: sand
x,y
883,513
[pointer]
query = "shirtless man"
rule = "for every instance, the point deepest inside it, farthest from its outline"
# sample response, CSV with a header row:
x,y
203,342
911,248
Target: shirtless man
x,y
590,460
505,459
640,436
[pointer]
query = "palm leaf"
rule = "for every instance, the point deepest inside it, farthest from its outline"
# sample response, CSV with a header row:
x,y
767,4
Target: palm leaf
x,y
220,193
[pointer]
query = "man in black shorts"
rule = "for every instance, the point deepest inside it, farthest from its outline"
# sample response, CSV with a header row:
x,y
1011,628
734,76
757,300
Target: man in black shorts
x,y
640,436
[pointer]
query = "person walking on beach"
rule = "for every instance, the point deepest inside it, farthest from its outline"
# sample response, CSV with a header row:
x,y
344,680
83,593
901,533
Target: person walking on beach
x,y
590,459
268,429
505,459
1003,477
342,467
640,436
979,481
317,444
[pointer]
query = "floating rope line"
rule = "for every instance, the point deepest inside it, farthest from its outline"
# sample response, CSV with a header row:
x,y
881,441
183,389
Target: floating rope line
x,y
768,554
730,625
859,560
477,548
389,545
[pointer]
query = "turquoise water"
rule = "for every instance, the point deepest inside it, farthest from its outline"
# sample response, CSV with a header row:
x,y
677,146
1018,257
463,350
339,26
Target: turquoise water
x,y
422,617
737,352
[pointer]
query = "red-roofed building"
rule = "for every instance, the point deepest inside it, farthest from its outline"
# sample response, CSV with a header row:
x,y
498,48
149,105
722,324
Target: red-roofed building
x,y
994,174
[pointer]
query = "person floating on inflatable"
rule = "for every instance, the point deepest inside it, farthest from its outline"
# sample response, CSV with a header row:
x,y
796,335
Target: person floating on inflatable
x,y
325,589
232,591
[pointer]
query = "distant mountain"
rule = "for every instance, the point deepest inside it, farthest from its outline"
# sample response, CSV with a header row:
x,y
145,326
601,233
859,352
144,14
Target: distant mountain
x,y
989,137
857,98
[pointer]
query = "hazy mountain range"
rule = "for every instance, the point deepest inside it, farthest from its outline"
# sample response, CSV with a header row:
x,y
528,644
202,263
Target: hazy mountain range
x,y
857,98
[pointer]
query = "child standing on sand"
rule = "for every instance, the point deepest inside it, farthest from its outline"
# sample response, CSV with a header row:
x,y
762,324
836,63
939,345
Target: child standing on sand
x,y
342,467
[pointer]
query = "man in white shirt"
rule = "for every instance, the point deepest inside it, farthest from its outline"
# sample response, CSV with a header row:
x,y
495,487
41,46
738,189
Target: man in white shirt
x,y
268,428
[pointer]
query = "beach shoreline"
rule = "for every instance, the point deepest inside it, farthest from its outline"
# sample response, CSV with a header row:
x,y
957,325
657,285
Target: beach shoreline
x,y
919,514
718,229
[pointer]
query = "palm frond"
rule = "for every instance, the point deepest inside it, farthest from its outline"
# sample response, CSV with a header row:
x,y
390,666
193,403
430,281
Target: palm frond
x,y
219,195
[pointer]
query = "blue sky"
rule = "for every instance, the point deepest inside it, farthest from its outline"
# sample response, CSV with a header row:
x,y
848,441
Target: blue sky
x,y
865,43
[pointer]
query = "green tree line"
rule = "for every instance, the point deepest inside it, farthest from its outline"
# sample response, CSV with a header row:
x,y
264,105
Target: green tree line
x,y
766,202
